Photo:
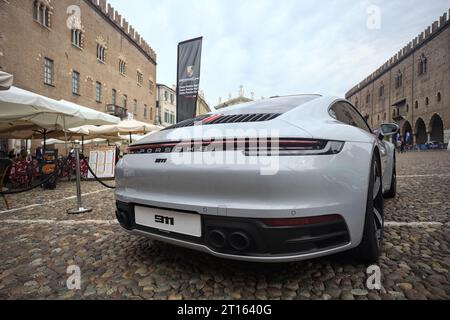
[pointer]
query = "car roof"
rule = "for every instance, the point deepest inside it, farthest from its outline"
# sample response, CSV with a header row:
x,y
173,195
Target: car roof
x,y
272,105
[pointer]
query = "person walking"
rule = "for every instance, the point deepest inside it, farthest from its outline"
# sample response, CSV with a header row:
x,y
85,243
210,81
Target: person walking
x,y
402,146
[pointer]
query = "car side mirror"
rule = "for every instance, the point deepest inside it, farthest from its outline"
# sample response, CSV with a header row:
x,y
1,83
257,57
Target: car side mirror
x,y
377,133
389,129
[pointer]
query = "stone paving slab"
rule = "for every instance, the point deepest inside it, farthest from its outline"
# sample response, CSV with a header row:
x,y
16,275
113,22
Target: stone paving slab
x,y
116,265
37,245
420,199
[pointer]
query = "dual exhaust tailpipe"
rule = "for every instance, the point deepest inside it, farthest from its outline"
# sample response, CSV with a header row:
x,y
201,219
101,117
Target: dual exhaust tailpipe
x,y
237,240
123,218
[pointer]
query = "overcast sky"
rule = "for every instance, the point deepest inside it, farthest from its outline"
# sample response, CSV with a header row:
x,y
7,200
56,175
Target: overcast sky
x,y
279,47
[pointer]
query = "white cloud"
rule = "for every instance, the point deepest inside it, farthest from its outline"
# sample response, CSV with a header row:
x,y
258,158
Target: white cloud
x,y
278,47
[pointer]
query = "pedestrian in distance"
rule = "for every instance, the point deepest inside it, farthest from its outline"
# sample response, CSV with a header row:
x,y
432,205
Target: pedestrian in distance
x,y
402,146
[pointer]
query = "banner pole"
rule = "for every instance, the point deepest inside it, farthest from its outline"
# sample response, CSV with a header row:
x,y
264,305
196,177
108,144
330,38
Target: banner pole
x,y
177,100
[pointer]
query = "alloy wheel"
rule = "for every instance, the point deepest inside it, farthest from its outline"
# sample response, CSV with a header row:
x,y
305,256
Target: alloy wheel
x,y
378,218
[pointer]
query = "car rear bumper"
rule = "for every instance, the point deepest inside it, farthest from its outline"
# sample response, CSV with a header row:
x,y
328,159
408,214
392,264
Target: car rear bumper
x,y
239,195
248,239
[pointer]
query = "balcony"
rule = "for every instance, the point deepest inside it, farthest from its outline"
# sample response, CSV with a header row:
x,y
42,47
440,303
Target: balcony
x,y
400,112
117,111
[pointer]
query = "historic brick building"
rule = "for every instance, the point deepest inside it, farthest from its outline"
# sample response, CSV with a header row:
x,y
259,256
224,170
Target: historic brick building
x,y
412,88
81,51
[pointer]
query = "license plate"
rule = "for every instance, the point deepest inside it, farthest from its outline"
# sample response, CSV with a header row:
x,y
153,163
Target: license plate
x,y
167,220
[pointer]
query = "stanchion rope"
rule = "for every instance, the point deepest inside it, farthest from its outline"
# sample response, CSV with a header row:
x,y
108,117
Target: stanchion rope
x,y
95,176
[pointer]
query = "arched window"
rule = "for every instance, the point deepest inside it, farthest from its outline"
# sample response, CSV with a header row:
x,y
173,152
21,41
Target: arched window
x,y
101,53
384,116
98,91
416,105
407,108
381,91
140,78
399,80
42,13
145,111
135,106
439,97
122,67
76,37
125,101
423,65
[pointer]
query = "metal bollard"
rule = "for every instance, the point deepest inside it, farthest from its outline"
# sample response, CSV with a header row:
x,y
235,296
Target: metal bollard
x,y
79,209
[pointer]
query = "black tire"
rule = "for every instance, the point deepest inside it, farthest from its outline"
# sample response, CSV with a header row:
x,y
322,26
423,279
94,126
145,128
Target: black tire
x,y
370,248
392,193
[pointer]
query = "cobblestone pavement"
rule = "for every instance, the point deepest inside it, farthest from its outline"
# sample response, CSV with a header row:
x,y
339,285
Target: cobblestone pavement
x,y
38,241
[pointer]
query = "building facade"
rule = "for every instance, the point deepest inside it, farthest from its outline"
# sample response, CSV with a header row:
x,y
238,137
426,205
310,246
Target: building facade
x,y
412,89
81,51
202,105
232,102
241,98
166,106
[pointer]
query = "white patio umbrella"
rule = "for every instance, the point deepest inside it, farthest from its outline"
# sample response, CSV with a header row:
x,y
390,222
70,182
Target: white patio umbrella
x,y
87,142
23,130
82,133
18,105
127,127
134,137
21,105
6,80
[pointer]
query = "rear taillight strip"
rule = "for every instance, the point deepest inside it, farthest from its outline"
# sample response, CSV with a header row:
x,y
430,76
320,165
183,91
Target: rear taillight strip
x,y
251,147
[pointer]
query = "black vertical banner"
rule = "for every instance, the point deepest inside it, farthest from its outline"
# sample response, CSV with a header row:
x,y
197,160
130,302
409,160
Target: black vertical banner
x,y
188,78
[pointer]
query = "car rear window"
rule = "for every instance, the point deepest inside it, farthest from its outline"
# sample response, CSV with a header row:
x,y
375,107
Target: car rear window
x,y
279,105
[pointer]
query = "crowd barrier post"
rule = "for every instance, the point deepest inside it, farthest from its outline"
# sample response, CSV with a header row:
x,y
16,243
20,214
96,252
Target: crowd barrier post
x,y
80,209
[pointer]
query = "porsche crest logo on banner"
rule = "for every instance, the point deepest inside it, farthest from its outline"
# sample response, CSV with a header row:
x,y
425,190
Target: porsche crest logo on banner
x,y
188,78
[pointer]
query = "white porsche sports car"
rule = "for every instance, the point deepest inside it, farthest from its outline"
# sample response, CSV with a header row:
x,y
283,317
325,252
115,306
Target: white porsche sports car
x,y
277,180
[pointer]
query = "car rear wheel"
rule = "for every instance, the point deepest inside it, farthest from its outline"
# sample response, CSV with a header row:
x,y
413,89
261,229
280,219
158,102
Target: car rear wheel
x,y
370,248
393,190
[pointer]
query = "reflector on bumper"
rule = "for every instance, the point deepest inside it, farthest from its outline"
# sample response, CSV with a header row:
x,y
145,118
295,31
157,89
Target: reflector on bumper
x,y
301,221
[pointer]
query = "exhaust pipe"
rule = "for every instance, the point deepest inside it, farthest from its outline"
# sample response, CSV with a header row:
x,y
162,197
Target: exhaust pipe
x,y
217,239
122,217
239,241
